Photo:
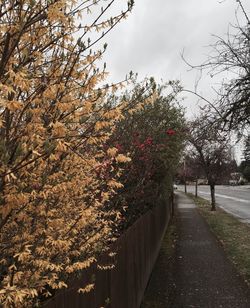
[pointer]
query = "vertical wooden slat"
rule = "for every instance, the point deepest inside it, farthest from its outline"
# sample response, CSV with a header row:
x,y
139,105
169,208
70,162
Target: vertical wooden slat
x,y
123,286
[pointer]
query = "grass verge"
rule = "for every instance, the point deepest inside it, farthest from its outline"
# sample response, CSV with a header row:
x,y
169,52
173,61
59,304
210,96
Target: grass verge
x,y
233,235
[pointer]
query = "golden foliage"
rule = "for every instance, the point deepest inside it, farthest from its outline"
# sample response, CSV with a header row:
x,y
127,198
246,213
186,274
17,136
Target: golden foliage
x,y
54,122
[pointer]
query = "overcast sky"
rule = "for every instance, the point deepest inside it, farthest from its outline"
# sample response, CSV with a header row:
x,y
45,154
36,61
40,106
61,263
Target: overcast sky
x,y
151,40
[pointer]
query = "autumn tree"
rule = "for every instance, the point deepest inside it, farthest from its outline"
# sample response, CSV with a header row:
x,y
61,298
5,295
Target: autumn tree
x,y
55,118
211,150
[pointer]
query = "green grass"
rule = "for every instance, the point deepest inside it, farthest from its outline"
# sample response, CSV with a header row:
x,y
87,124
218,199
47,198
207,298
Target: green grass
x,y
232,234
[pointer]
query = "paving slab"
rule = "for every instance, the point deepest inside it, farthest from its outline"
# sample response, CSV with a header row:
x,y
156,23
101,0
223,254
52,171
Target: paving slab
x,y
204,277
200,274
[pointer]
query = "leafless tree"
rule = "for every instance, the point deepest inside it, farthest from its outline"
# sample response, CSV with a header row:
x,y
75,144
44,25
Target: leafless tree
x,y
230,57
211,151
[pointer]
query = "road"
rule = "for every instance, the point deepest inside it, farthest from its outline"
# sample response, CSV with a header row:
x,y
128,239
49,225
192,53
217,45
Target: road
x,y
233,199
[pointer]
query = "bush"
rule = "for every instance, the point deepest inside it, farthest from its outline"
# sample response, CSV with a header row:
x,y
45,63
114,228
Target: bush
x,y
152,135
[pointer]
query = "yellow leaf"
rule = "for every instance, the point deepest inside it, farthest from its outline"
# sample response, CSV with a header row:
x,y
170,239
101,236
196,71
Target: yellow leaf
x,y
14,105
114,184
122,158
87,289
112,152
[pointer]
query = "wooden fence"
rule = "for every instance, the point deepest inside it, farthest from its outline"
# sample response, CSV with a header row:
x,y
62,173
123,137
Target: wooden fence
x,y
124,285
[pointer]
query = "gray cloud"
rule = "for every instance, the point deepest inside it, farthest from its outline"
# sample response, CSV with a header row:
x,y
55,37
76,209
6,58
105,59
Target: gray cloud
x,y
150,41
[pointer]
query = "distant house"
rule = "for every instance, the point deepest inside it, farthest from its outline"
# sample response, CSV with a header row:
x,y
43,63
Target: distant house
x,y
237,178
202,181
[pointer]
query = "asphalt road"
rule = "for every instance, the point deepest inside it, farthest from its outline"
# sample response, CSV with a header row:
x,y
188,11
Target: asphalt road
x,y
233,199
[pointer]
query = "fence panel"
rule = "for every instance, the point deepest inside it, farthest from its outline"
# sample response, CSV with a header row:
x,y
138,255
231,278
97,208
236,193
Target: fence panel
x,y
124,285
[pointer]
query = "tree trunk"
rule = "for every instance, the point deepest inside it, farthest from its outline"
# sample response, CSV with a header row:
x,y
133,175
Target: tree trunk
x,y
212,190
196,188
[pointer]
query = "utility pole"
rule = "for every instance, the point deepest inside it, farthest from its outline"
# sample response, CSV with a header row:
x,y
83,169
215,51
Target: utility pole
x,y
185,175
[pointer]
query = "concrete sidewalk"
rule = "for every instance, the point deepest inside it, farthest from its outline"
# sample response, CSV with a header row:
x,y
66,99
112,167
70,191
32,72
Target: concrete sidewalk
x,y
202,276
